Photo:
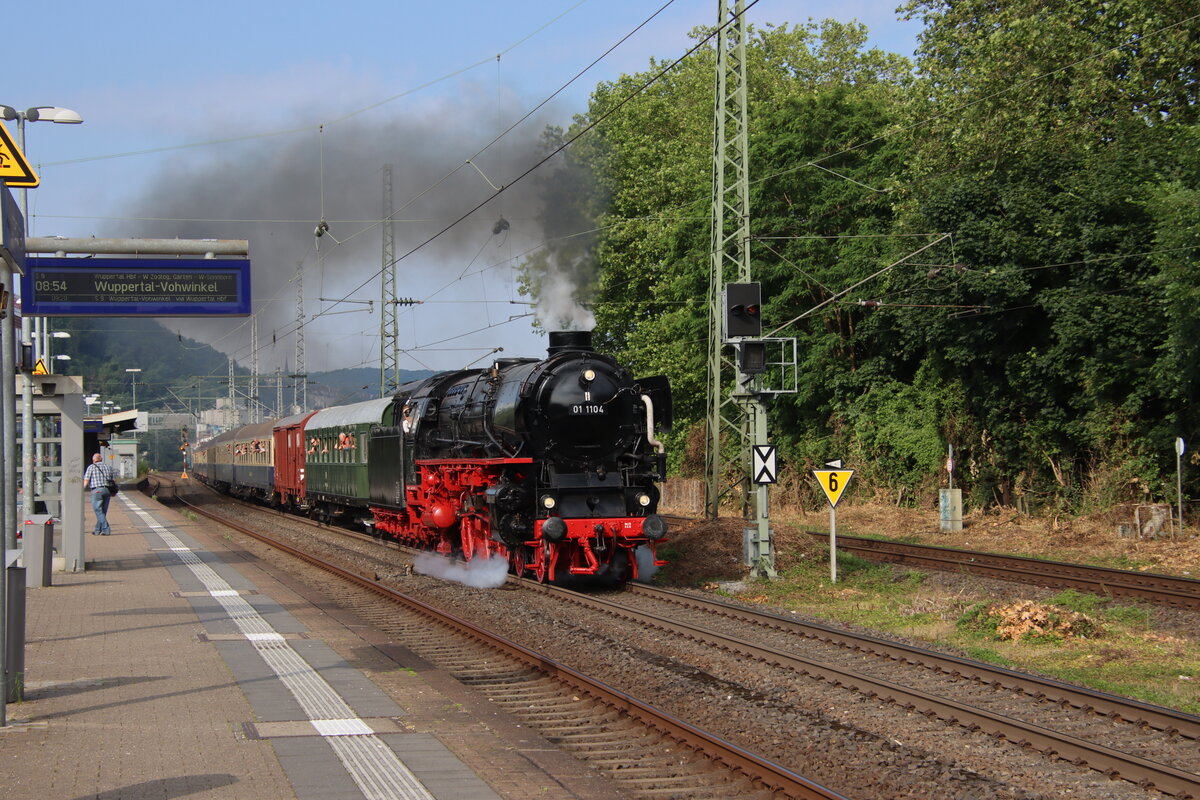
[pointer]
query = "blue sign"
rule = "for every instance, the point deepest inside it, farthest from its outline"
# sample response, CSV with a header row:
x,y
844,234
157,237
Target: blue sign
x,y
136,287
14,231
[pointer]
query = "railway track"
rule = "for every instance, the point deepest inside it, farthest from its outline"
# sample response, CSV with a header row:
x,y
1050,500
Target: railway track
x,y
1145,744
971,694
1151,587
1168,590
615,732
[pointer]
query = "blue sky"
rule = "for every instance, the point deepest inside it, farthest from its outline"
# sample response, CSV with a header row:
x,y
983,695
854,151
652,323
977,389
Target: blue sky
x,y
424,89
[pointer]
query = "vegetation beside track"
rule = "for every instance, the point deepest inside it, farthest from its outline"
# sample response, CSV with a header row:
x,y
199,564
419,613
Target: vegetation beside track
x,y
1136,650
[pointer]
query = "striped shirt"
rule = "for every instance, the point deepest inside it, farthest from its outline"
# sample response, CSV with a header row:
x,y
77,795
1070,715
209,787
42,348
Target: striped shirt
x,y
98,475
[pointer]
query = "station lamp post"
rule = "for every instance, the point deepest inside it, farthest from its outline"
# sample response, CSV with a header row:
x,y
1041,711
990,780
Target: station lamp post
x,y
8,399
35,114
133,373
50,359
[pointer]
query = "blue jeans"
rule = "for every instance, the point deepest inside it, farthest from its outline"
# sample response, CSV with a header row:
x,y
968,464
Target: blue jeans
x,y
100,498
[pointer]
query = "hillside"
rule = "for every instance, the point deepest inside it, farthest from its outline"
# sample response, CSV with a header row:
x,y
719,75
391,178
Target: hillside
x,y
179,374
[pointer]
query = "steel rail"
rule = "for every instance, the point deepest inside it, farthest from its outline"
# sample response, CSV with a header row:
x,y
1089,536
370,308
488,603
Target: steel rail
x,y
1166,778
758,770
1167,720
1163,589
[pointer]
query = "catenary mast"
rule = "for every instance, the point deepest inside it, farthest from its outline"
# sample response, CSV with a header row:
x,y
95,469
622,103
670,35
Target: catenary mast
x,y
741,411
389,369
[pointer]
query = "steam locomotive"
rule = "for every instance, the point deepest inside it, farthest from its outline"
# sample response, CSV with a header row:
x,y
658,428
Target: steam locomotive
x,y
550,463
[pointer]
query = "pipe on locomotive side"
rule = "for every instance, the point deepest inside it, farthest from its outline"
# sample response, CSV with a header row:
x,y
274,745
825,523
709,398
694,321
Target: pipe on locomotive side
x,y
659,446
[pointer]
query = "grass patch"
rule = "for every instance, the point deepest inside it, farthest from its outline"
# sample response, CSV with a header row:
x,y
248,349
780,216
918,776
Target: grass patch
x,y
1080,602
978,622
867,594
1099,606
1132,616
1120,653
1127,562
1124,658
989,656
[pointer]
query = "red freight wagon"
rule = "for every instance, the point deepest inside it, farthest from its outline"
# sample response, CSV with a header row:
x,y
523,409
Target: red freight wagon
x,y
289,459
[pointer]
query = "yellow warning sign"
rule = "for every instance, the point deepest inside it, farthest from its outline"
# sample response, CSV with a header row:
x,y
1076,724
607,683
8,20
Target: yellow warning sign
x,y
40,368
833,482
14,169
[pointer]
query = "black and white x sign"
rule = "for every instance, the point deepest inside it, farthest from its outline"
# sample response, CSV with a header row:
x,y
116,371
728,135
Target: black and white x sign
x,y
763,463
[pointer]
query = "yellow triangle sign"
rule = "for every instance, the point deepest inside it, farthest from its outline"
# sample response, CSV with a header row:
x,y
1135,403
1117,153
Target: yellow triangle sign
x,y
833,482
14,169
40,368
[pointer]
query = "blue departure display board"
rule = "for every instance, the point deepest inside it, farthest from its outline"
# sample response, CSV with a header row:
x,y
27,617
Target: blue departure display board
x,y
136,287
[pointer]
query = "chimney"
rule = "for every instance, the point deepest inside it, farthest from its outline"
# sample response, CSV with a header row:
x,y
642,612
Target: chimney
x,y
568,341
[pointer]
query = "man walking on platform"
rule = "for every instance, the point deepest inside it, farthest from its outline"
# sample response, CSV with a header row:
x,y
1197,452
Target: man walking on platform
x,y
99,478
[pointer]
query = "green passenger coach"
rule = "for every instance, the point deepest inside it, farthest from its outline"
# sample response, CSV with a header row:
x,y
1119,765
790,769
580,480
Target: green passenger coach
x,y
336,448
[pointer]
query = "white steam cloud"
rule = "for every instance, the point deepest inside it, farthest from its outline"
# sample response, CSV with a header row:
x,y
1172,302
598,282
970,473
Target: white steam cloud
x,y
480,573
557,307
645,563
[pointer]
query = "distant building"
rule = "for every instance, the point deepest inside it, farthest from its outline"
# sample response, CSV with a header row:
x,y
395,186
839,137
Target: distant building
x,y
122,456
225,417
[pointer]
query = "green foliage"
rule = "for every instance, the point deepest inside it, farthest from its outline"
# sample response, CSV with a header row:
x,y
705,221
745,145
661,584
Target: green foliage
x,y
643,179
1082,602
988,655
101,349
896,428
1052,181
977,620
1128,615
1096,605
1051,337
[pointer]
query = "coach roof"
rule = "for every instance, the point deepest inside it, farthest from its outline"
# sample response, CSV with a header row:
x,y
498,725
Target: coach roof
x,y
370,412
292,420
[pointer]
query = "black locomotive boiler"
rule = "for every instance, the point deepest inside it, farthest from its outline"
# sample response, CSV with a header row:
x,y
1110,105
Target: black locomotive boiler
x,y
552,463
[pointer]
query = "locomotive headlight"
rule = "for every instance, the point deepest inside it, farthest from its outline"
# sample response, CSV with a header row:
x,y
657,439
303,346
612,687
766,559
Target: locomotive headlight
x,y
587,376
548,501
643,499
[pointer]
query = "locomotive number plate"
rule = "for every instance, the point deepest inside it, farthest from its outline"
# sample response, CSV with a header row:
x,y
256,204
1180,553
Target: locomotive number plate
x,y
587,410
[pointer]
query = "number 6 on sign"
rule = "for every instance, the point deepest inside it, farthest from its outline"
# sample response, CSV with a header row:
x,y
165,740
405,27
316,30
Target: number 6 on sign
x,y
833,482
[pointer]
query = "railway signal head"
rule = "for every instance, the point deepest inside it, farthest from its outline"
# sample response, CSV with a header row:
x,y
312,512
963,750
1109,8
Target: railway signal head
x,y
752,357
743,310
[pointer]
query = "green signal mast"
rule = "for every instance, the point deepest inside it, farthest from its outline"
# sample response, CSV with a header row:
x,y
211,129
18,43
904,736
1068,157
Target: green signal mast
x,y
734,319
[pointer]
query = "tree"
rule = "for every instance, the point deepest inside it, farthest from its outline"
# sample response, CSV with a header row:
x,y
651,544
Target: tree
x,y
1041,138
645,175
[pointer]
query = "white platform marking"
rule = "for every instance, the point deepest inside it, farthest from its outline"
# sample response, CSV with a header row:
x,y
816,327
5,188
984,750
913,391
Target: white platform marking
x,y
377,770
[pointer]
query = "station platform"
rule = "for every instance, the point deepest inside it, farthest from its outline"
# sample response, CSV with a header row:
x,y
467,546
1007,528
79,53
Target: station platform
x,y
177,665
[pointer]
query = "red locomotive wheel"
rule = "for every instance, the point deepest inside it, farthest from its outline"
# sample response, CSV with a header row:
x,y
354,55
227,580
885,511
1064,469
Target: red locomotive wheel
x,y
540,564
